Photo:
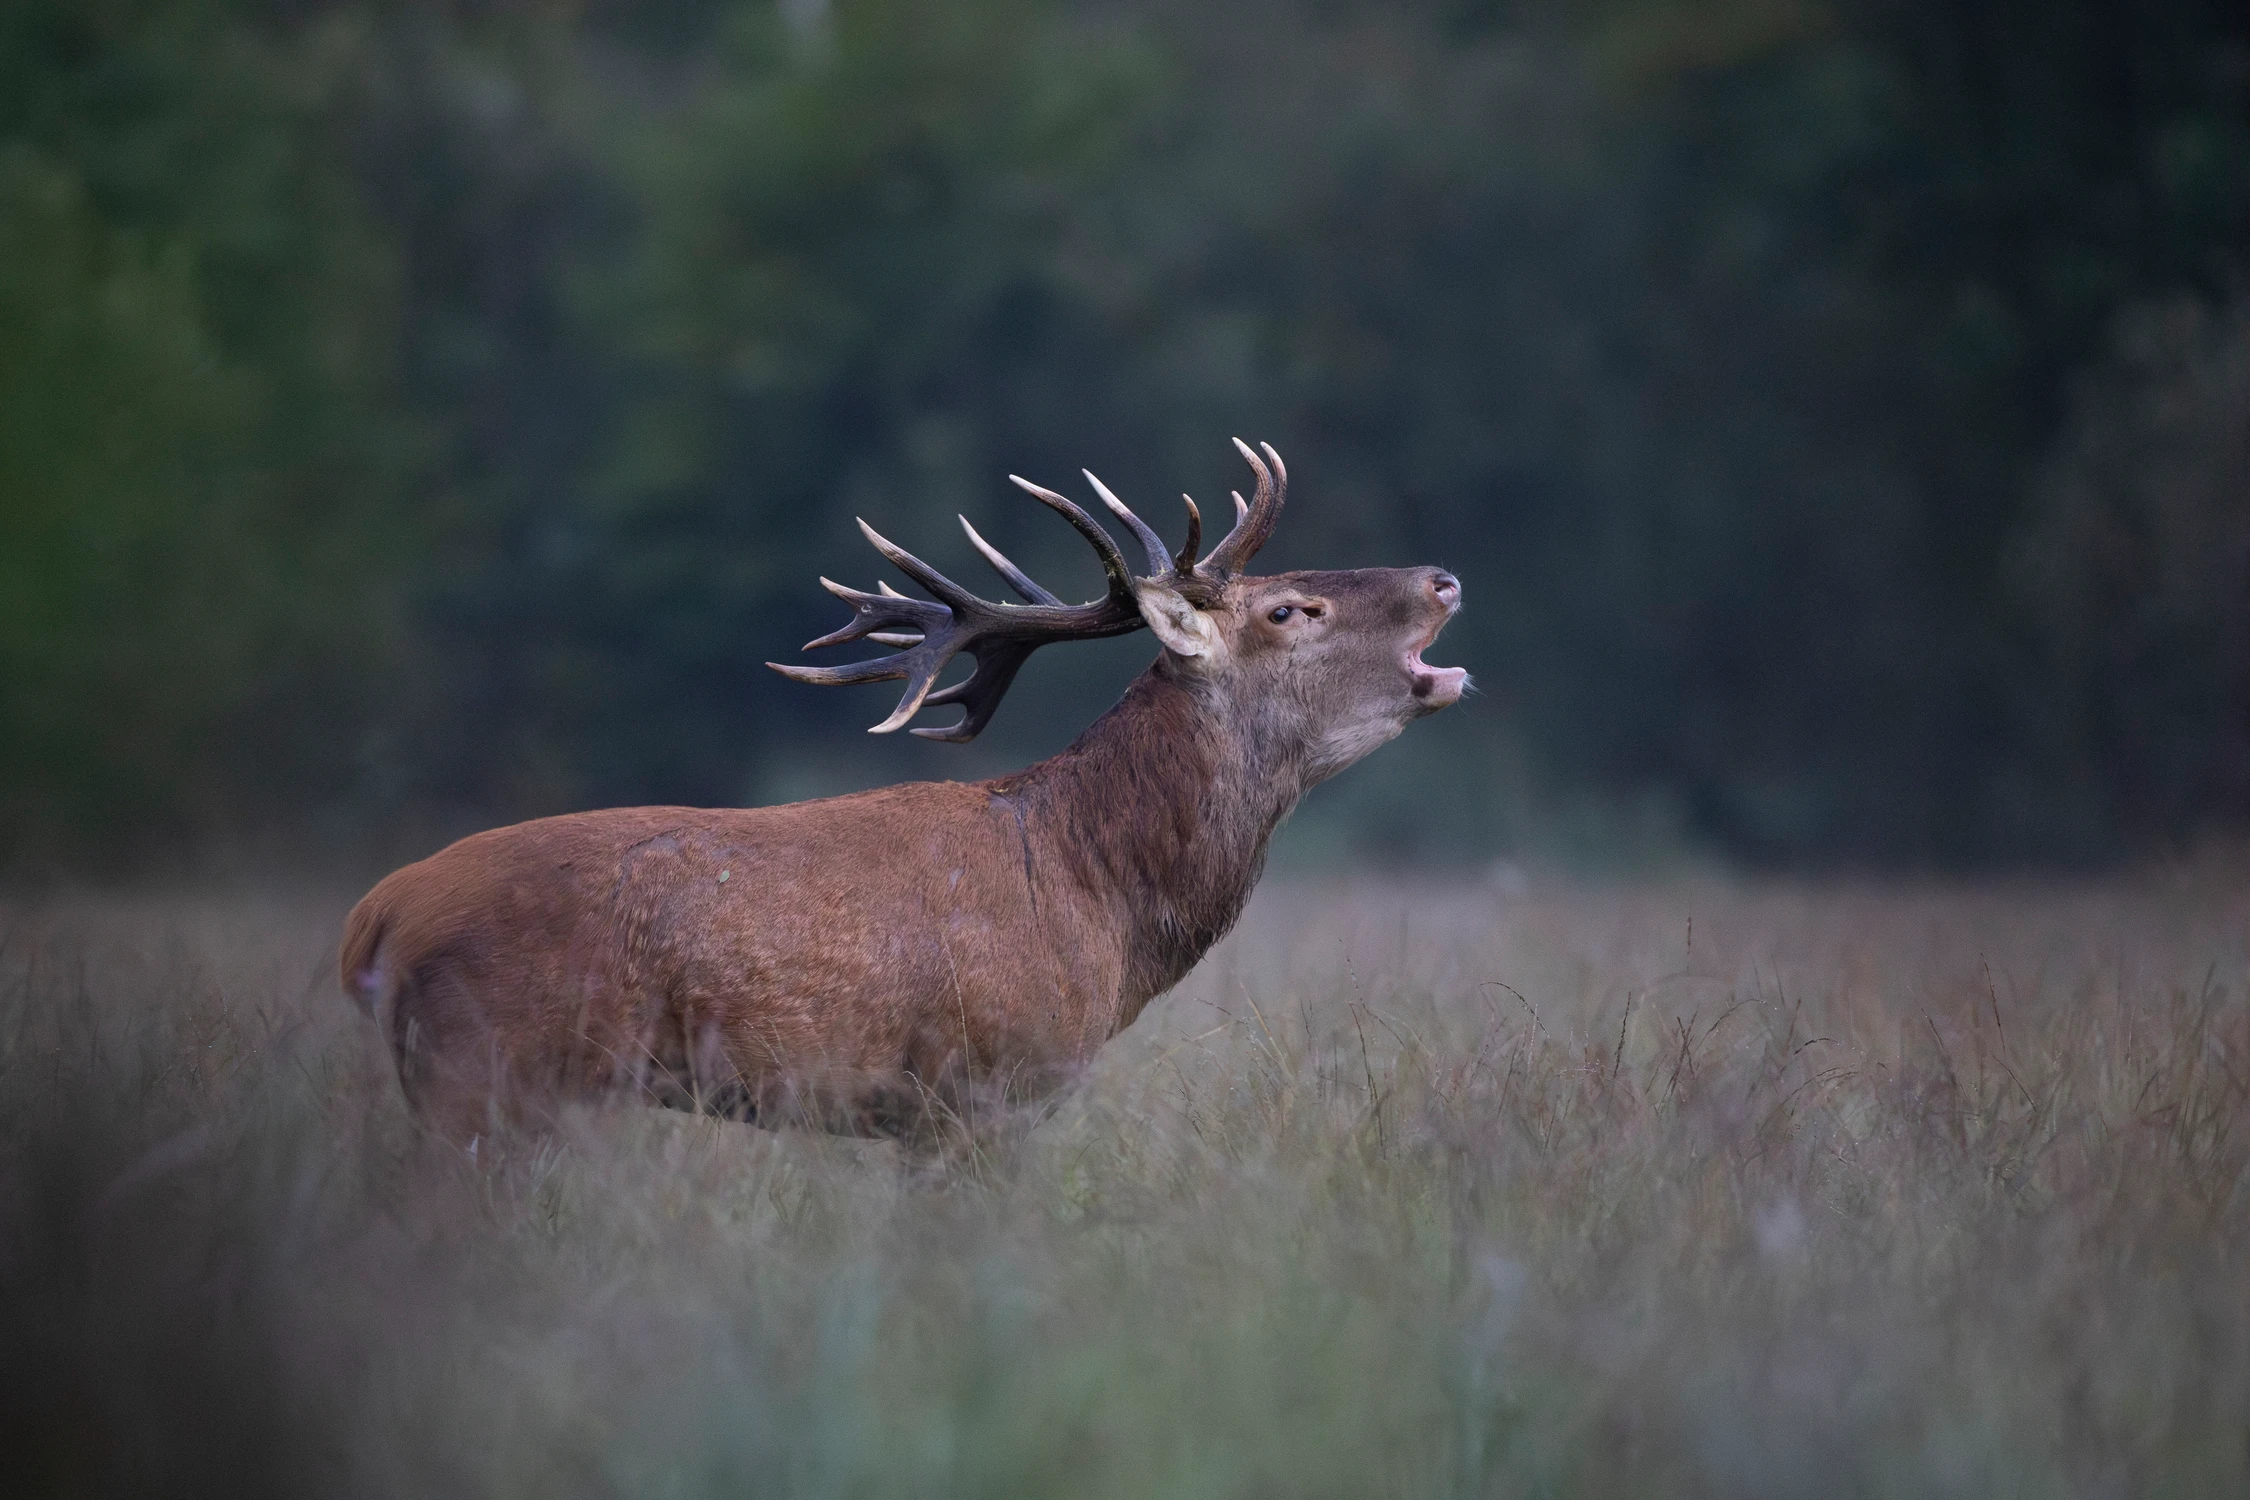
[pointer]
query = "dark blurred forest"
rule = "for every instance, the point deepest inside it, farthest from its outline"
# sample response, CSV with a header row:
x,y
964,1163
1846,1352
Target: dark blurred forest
x,y
418,414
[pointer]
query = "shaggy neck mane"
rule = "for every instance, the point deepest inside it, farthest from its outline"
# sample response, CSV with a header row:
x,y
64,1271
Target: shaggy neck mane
x,y
1162,808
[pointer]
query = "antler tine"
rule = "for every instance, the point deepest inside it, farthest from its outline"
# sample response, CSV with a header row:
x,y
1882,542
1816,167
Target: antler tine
x,y
1254,520
1113,561
881,617
895,620
1183,561
1159,556
1020,581
916,569
919,664
877,669
1280,469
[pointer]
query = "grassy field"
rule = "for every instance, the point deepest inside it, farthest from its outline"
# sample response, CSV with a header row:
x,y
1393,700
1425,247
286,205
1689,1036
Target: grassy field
x,y
1443,1191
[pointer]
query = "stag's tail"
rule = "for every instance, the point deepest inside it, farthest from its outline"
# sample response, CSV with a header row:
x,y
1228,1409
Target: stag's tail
x,y
361,958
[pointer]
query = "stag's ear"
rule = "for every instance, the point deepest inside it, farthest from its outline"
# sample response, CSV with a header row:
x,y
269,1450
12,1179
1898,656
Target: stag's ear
x,y
1185,630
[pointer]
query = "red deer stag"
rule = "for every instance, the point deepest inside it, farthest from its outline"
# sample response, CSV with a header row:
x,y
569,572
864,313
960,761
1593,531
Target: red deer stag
x,y
870,963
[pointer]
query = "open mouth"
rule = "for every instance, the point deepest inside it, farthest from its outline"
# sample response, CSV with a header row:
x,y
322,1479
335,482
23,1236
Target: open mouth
x,y
1435,687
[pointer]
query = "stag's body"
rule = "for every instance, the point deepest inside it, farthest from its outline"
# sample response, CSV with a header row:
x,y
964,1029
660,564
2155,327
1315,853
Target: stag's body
x,y
744,959
878,963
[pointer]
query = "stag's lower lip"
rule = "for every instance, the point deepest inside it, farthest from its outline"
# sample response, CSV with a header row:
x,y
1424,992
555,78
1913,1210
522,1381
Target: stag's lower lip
x,y
1439,687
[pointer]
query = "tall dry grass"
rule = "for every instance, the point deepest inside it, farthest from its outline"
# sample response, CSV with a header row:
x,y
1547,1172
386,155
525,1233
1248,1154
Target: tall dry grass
x,y
1408,1192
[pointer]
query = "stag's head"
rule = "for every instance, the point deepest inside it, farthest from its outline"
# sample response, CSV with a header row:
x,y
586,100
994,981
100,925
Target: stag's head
x,y
1322,666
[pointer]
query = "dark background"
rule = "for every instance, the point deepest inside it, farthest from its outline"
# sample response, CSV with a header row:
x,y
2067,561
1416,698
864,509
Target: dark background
x,y
418,415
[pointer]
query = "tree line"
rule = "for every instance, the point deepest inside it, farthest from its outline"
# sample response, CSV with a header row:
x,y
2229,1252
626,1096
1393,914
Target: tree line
x,y
1838,410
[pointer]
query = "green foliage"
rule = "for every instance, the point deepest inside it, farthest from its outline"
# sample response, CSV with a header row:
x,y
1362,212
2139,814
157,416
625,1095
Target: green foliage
x,y
199,477
1740,354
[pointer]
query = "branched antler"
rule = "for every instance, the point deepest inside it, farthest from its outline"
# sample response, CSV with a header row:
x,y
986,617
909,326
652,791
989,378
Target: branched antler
x,y
999,635
1253,519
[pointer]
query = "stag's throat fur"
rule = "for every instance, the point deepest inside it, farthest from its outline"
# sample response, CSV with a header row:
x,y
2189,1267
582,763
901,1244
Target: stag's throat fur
x,y
876,963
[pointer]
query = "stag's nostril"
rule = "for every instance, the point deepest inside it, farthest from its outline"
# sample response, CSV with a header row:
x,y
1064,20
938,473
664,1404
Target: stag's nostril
x,y
1446,587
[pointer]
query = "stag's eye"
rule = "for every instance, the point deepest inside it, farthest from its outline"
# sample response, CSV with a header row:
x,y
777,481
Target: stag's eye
x,y
1281,613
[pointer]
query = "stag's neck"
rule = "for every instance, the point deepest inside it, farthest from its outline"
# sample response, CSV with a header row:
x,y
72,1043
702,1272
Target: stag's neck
x,y
1161,811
